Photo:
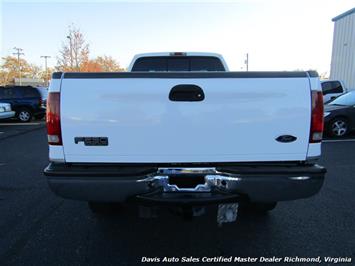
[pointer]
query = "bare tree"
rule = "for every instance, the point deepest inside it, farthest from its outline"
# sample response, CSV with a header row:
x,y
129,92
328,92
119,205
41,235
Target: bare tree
x,y
74,52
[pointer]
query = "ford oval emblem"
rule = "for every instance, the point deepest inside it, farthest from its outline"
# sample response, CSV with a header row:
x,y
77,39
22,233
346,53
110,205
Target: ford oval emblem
x,y
286,138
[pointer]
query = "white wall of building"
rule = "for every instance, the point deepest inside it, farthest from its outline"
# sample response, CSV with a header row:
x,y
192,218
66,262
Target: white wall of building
x,y
28,82
343,53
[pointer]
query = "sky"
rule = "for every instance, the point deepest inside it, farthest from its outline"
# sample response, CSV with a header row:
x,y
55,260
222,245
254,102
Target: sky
x,y
277,34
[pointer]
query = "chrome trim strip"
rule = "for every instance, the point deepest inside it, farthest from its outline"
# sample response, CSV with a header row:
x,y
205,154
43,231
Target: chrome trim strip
x,y
299,178
213,179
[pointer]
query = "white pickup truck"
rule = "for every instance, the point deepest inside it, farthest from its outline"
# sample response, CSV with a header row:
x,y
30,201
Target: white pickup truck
x,y
179,129
332,89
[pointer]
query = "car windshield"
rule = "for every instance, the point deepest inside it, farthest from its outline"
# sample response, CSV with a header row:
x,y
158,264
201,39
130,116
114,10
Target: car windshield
x,y
345,99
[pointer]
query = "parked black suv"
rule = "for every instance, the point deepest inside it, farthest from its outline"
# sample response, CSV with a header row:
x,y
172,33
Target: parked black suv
x,y
26,101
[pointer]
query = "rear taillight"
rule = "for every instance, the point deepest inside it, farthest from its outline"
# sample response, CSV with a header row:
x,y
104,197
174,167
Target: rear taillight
x,y
53,119
317,117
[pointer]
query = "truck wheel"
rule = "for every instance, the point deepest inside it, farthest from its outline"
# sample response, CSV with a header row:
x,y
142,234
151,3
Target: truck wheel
x,y
262,207
24,115
103,207
338,127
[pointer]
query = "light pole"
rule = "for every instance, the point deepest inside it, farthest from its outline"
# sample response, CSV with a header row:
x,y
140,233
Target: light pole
x,y
247,61
45,65
71,52
18,53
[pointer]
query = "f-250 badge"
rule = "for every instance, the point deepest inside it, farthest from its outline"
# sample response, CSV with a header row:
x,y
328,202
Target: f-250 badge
x,y
92,141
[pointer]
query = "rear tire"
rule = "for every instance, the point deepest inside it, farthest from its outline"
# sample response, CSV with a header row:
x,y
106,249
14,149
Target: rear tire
x,y
24,115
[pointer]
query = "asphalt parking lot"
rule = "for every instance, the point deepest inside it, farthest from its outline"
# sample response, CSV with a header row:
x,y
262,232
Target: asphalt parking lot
x,y
38,228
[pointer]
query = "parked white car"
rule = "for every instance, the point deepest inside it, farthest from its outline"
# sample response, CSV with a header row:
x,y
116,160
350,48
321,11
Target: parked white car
x,y
332,89
5,111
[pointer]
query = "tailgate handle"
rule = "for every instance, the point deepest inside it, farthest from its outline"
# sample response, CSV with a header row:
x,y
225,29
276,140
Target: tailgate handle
x,y
186,93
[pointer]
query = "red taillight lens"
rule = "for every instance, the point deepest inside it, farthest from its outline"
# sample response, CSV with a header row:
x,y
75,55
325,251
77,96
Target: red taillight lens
x,y
53,119
317,117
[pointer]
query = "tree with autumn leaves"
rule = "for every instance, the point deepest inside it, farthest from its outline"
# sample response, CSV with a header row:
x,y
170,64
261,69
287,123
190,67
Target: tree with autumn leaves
x,y
9,69
73,56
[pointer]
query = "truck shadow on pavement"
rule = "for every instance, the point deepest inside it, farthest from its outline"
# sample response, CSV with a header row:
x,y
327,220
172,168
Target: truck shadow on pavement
x,y
171,236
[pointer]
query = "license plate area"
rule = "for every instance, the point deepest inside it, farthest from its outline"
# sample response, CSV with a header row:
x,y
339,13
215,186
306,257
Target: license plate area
x,y
191,179
186,181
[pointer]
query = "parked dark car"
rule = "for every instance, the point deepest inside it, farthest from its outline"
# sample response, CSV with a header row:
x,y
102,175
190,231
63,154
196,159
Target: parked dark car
x,y
26,101
339,115
44,94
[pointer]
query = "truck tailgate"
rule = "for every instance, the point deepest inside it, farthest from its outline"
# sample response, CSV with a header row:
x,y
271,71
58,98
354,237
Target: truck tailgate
x,y
239,119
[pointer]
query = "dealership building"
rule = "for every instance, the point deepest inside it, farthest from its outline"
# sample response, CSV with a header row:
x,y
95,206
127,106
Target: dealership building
x,y
343,54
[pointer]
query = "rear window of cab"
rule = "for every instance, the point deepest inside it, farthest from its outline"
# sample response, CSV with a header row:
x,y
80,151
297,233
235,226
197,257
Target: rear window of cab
x,y
177,63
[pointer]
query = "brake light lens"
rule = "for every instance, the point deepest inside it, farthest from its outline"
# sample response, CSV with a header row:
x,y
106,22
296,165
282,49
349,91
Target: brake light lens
x,y
54,131
317,118
178,54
